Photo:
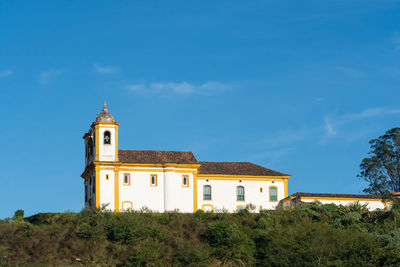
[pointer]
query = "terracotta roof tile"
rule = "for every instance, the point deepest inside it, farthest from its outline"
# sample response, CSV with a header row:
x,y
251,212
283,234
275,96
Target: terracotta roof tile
x,y
236,168
156,156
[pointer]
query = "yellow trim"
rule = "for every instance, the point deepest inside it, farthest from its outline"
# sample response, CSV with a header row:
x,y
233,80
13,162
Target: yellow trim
x,y
123,177
207,205
96,123
159,165
97,133
97,187
347,199
116,143
116,190
104,169
247,178
187,176
107,126
237,207
195,192
269,191
127,202
157,170
244,197
386,206
210,192
243,176
285,184
151,177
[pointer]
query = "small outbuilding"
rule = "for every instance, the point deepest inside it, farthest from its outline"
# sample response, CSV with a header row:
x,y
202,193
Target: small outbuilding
x,y
373,201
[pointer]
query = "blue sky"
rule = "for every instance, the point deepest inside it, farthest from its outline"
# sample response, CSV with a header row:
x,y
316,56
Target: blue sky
x,y
296,86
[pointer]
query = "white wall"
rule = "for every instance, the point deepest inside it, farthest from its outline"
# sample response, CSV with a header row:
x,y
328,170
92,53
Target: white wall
x,y
107,188
223,194
170,194
139,192
176,195
106,152
372,205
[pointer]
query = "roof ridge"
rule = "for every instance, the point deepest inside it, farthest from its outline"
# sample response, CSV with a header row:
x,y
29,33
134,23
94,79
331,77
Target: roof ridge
x,y
154,150
335,194
229,162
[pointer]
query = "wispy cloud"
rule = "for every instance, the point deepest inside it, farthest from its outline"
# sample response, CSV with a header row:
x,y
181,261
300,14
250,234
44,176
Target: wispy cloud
x,y
105,69
333,123
329,128
371,112
182,88
6,73
46,77
320,99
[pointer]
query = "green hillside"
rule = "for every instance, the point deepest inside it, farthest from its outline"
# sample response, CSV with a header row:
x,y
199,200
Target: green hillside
x,y
309,235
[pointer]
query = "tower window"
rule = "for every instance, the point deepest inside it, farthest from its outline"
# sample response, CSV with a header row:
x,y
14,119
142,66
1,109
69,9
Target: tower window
x,y
127,179
240,193
107,138
207,192
153,180
273,193
185,180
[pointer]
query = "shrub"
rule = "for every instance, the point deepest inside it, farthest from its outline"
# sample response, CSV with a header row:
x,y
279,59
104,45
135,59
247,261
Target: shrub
x,y
391,240
19,215
230,244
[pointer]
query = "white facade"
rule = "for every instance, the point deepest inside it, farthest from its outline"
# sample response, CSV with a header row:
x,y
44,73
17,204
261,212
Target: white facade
x,y
224,197
179,186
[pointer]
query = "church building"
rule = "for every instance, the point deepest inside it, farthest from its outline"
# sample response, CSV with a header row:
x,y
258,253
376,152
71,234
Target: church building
x,y
170,180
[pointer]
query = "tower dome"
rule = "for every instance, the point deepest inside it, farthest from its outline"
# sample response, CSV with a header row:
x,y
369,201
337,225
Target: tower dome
x,y
104,115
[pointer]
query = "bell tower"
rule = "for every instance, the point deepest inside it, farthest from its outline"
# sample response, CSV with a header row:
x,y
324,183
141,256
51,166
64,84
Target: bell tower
x,y
105,132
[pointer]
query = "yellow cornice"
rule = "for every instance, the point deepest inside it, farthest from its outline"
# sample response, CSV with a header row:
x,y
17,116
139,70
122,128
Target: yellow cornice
x,y
210,176
105,123
154,165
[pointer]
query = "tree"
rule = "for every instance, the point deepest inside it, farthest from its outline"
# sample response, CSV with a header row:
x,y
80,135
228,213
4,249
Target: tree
x,y
382,168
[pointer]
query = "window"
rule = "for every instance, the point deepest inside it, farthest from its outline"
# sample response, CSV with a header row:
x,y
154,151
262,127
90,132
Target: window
x,y
207,192
185,180
240,193
239,208
107,177
107,138
127,206
273,193
260,189
127,179
153,180
208,208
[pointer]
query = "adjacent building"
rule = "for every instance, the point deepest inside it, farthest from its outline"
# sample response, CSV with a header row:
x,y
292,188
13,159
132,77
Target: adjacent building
x,y
373,202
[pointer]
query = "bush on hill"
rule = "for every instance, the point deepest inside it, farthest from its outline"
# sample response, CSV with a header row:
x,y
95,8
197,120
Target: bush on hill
x,y
309,235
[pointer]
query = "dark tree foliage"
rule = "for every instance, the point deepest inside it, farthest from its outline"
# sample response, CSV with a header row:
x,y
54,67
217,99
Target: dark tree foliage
x,y
310,234
382,168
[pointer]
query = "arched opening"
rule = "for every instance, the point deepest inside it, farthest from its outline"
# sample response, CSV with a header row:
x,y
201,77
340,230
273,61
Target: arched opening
x,y
107,138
